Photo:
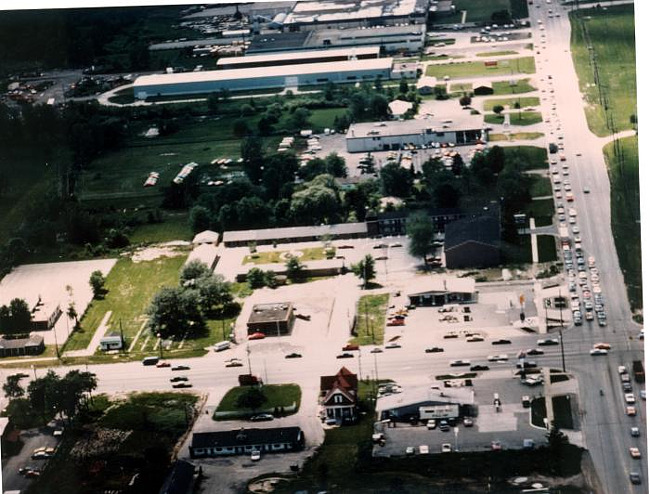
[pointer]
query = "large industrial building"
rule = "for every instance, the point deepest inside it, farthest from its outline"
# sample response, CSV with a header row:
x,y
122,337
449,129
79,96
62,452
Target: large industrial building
x,y
384,136
188,83
297,58
407,38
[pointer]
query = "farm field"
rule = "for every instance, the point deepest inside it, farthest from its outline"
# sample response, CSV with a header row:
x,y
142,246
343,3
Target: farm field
x,y
460,70
611,33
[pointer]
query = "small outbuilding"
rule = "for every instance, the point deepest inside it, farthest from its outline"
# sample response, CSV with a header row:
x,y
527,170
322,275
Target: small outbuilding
x,y
429,291
112,341
271,319
426,84
206,237
482,89
398,107
33,345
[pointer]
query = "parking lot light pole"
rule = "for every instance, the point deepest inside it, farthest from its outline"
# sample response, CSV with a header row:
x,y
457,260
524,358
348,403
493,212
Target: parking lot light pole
x,y
160,345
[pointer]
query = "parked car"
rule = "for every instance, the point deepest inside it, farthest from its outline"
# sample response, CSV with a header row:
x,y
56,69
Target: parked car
x,y
446,448
479,367
501,342
534,351
393,345
459,363
598,351
431,424
475,338
345,355
234,363
468,422
180,367
257,336
496,446
635,453
181,385
376,350
261,417
635,432
293,355
255,455
163,364
178,379
434,349
635,478
548,341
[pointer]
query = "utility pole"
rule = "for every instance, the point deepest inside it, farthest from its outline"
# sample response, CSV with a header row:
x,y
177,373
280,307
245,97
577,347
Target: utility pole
x,y
248,356
360,373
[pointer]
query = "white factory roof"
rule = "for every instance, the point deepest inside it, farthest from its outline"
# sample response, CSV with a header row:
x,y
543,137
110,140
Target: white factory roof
x,y
411,127
351,52
399,107
328,11
256,72
441,284
295,232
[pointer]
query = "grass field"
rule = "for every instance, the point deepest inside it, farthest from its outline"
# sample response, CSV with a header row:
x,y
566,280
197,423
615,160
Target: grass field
x,y
540,186
461,70
624,179
516,118
520,86
276,256
546,248
542,211
526,157
509,103
563,418
371,320
173,227
277,395
130,287
516,136
496,53
612,37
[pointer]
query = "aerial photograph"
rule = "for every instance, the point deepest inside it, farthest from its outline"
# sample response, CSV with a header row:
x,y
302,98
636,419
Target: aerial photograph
x,y
321,246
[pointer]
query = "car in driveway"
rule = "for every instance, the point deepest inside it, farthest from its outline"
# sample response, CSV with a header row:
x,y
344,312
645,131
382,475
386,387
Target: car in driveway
x,y
180,367
635,453
459,363
261,417
501,342
178,379
434,349
345,355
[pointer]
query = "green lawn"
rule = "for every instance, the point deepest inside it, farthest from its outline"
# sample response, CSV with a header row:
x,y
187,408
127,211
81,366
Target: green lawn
x,y
460,70
173,227
612,37
520,86
461,87
527,157
371,320
546,248
563,418
624,179
278,395
518,118
540,186
516,136
130,286
496,53
322,118
276,256
509,103
542,211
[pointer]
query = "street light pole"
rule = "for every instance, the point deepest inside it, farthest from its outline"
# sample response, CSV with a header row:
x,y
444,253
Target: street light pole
x,y
34,371
562,350
160,345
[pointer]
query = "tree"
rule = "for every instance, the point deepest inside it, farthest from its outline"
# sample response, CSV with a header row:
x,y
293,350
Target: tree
x,y
279,173
294,268
251,398
175,311
300,118
378,106
365,269
246,110
335,165
240,127
396,180
497,109
253,158
97,282
496,159
214,292
457,165
403,86
419,229
15,317
12,388
255,278
199,219
465,100
193,271
72,314
213,102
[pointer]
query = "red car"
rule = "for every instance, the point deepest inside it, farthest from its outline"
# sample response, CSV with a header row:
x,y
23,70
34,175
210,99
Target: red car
x,y
395,322
163,364
257,336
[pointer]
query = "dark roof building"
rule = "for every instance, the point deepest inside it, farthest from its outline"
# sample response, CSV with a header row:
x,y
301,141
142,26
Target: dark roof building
x,y
271,319
21,346
472,242
242,441
339,394
180,480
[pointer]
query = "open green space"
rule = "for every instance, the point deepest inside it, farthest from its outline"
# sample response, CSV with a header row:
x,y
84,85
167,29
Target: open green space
x,y
509,103
540,186
174,226
130,287
607,38
280,256
496,53
460,70
623,166
278,396
546,248
516,136
562,416
528,157
505,87
370,320
516,118
542,211
518,251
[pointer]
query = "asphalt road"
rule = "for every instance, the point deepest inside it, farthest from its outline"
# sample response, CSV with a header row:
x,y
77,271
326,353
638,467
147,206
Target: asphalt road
x,y
607,427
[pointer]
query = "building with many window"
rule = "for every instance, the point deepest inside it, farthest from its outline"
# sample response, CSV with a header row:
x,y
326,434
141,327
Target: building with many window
x,y
244,441
338,395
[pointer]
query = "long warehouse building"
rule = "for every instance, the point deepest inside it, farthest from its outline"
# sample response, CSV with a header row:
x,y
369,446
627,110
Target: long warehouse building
x,y
188,83
297,58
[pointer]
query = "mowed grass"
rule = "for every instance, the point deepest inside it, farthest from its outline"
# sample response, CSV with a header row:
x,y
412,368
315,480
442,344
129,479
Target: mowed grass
x,y
481,11
612,37
130,287
505,87
175,226
277,256
542,211
516,118
496,53
460,70
546,249
509,103
516,136
540,186
277,395
371,320
526,157
626,227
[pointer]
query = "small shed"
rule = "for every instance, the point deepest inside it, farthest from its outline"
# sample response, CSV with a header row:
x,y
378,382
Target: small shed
x,y
398,107
271,319
112,341
482,89
206,237
426,84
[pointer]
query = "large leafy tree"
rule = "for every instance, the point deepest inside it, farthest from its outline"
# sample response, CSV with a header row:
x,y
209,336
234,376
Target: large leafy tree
x,y
419,229
365,269
175,311
12,388
396,180
97,282
15,317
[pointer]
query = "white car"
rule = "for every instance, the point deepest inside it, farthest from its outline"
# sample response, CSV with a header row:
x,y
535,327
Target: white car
x,y
629,398
255,455
446,448
423,449
498,358
598,351
431,424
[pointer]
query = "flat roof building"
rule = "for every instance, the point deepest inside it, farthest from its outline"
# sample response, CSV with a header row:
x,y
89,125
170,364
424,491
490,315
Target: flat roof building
x,y
242,238
472,242
244,441
187,83
384,136
299,57
423,403
21,346
271,319
436,291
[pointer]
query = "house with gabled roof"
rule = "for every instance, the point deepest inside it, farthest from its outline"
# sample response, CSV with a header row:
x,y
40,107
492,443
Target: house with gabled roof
x,y
338,395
